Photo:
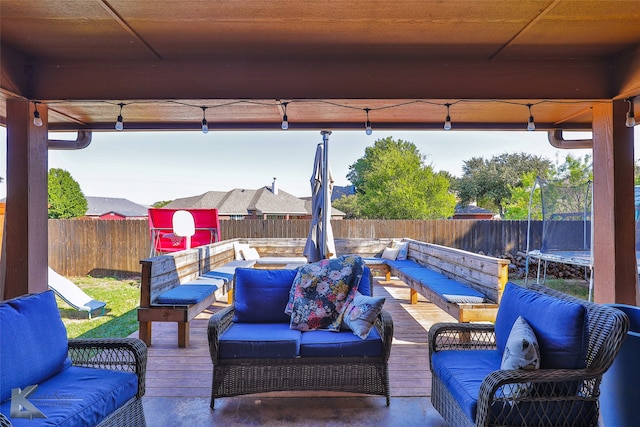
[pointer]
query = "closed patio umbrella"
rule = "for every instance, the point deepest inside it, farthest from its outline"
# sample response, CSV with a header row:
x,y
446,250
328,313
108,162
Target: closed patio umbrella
x,y
320,244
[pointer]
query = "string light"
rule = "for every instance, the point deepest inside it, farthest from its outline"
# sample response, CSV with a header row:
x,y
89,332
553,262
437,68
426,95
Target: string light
x,y
205,126
37,121
631,120
285,119
447,121
531,126
119,123
367,125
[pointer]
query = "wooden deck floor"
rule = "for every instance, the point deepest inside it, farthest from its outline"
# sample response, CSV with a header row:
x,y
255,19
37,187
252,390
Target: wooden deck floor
x,y
186,372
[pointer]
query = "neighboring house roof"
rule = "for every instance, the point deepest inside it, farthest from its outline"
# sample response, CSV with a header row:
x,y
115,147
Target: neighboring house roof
x,y
472,211
97,206
242,201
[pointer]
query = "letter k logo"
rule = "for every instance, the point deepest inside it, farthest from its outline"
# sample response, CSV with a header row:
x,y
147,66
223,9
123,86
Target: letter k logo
x,y
21,407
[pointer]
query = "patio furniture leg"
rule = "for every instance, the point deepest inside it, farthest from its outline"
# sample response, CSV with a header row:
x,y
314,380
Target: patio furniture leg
x,y
145,332
413,297
183,334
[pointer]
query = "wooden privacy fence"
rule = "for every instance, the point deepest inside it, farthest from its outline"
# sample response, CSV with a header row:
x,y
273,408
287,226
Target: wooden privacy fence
x,y
102,247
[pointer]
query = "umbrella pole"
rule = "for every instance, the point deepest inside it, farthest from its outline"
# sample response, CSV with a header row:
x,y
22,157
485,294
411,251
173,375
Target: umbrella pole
x,y
326,200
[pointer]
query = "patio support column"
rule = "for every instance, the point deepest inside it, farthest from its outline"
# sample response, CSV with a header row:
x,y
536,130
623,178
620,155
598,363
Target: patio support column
x,y
25,259
615,271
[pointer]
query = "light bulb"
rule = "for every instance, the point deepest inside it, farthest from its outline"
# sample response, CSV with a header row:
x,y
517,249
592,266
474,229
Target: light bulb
x,y
531,126
205,127
285,122
37,121
119,124
447,123
367,128
631,121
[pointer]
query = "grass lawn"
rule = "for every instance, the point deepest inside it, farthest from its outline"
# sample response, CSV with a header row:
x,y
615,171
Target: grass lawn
x,y
120,318
577,288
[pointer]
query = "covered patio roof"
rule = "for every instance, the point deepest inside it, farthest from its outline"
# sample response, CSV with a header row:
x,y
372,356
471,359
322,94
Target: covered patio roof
x,y
161,65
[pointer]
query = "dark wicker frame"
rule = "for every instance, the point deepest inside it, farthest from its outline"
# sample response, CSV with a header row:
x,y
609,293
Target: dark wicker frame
x,y
549,389
121,354
234,377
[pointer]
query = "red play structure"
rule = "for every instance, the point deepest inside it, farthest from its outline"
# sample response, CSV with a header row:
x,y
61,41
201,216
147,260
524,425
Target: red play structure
x,y
163,238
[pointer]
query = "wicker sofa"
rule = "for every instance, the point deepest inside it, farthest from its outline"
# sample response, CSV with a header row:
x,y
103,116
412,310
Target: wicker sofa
x,y
253,349
577,342
65,382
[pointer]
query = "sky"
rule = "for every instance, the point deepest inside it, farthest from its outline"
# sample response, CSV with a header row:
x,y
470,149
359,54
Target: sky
x,y
146,167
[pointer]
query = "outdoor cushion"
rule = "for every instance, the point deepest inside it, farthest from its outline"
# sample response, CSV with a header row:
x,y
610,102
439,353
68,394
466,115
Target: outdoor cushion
x,y
449,289
321,290
365,282
269,260
203,280
462,372
79,396
261,295
559,326
403,250
360,315
186,294
398,264
259,340
390,253
38,341
222,275
340,344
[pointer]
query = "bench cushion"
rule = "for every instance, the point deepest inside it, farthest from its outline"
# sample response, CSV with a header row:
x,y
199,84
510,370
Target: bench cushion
x,y
340,344
261,295
186,294
405,263
79,396
462,372
559,325
259,341
449,289
34,341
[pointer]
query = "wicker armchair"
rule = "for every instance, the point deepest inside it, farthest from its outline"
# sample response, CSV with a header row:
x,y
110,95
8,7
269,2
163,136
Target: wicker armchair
x,y
567,397
116,354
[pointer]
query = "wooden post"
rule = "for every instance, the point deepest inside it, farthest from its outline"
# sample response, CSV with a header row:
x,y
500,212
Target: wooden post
x,y
26,256
615,270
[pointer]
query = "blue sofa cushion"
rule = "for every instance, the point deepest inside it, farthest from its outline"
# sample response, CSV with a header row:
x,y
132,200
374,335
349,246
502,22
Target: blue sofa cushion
x,y
33,341
259,341
79,396
404,263
449,289
462,372
186,294
261,295
222,275
559,325
340,344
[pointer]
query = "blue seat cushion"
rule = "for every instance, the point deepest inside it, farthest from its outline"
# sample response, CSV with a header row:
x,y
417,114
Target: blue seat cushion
x,y
33,341
340,344
222,275
462,372
259,340
186,294
560,326
201,280
404,263
262,294
364,287
78,396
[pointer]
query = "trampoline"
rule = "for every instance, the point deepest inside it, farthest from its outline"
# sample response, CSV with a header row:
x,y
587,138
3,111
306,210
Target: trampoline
x,y
567,234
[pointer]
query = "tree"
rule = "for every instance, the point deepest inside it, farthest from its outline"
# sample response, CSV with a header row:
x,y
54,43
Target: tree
x,y
65,196
575,170
350,205
161,204
392,182
489,182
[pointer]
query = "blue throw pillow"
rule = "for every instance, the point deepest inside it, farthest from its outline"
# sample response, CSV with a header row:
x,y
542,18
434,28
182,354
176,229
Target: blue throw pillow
x,y
559,326
33,341
361,314
260,295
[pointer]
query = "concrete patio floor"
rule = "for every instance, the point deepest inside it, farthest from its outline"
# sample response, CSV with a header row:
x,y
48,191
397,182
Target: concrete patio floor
x,y
178,383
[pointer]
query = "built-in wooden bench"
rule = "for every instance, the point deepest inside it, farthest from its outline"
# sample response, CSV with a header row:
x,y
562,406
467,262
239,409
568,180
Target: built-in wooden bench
x,y
481,274
212,265
166,272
